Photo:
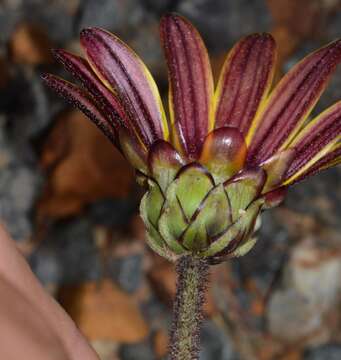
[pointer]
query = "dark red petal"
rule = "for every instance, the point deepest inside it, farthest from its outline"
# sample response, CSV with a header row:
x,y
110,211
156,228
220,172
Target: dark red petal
x,y
80,69
191,84
124,73
83,101
315,137
291,102
223,152
245,81
332,158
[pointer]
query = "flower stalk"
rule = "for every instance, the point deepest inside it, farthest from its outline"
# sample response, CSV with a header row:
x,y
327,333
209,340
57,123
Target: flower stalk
x,y
188,308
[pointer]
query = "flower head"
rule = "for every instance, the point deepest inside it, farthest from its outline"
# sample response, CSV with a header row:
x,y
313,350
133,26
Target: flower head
x,y
224,154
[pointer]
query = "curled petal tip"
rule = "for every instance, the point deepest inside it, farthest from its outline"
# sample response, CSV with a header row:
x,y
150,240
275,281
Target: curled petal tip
x,y
55,52
83,101
44,76
61,56
171,16
86,32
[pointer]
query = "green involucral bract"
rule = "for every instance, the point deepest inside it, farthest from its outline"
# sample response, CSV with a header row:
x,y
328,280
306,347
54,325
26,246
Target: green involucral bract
x,y
187,213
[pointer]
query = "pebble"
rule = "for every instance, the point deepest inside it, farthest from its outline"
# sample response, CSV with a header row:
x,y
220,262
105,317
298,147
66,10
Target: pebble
x,y
20,185
137,351
115,16
127,271
67,254
325,352
159,7
226,20
306,197
111,212
57,16
309,292
215,344
264,261
291,317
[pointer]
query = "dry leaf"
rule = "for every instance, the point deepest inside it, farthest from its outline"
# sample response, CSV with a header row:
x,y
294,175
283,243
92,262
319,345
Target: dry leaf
x,y
295,21
83,167
29,44
104,312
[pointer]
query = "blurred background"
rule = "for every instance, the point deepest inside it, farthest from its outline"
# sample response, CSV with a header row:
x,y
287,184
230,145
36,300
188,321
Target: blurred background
x,y
71,203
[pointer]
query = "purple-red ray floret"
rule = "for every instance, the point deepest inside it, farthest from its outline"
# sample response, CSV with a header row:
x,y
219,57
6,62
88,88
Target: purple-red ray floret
x,y
84,102
80,70
322,132
244,82
292,100
323,163
191,84
123,72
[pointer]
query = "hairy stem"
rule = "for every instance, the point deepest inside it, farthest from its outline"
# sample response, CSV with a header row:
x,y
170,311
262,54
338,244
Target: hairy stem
x,y
188,307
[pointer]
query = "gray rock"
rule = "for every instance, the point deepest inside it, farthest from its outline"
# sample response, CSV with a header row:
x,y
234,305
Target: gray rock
x,y
159,7
139,351
333,25
146,42
215,344
312,272
29,106
117,16
266,259
309,292
324,352
225,20
67,254
127,272
56,16
322,188
157,313
112,212
291,317
20,185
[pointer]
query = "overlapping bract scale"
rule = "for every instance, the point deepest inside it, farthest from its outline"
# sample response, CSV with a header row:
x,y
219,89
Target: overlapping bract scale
x,y
193,215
